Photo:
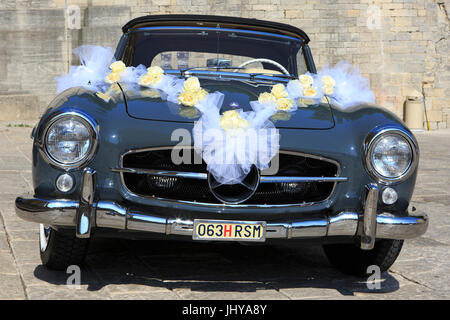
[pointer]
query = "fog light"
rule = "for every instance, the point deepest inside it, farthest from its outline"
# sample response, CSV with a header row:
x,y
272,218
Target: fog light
x,y
64,183
389,196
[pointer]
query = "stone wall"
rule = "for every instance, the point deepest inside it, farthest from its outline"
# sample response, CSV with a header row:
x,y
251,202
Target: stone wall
x,y
401,45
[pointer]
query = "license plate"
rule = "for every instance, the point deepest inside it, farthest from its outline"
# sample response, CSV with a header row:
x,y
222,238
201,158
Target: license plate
x,y
229,230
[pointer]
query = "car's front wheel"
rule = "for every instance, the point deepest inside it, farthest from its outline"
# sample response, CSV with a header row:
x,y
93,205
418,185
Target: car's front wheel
x,y
60,250
351,259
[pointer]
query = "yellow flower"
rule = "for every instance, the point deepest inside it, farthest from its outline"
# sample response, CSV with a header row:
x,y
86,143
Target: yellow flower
x,y
305,102
188,112
306,80
188,98
117,67
328,81
285,104
149,80
155,71
112,77
310,92
150,93
329,90
279,91
103,96
266,97
281,115
192,84
231,120
230,114
201,94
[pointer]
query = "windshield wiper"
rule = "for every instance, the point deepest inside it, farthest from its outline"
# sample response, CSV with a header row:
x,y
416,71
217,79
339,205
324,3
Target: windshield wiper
x,y
285,76
183,71
251,75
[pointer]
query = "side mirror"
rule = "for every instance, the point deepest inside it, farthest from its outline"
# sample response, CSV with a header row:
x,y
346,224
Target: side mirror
x,y
218,63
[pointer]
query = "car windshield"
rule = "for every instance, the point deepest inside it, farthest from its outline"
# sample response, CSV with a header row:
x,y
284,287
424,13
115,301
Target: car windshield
x,y
181,48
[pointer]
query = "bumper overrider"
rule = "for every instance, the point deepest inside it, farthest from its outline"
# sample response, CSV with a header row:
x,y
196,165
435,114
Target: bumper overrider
x,y
86,213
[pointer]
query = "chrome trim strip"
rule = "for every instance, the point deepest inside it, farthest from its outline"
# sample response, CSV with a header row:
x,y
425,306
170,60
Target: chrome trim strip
x,y
85,215
91,125
163,173
369,226
374,136
60,212
204,176
280,179
290,205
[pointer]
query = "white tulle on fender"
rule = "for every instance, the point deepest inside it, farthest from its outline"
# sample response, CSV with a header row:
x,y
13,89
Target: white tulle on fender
x,y
351,87
95,61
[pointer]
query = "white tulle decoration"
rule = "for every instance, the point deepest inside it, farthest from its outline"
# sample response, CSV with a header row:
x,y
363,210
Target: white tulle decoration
x,y
95,61
231,147
351,87
231,154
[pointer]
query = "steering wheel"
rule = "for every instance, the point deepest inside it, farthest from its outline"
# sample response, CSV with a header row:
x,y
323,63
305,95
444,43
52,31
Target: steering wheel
x,y
279,66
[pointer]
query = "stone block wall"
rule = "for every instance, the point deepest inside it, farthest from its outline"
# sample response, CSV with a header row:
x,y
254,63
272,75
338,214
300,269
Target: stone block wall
x,y
400,45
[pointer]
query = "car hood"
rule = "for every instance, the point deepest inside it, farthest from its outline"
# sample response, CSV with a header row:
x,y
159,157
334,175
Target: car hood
x,y
147,105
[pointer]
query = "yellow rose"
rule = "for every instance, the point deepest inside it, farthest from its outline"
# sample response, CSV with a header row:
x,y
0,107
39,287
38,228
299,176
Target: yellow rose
x,y
281,115
112,77
150,93
310,92
266,97
230,114
103,96
328,81
231,120
305,102
329,90
117,67
242,123
149,80
226,123
306,80
155,71
279,91
201,94
192,84
285,104
188,98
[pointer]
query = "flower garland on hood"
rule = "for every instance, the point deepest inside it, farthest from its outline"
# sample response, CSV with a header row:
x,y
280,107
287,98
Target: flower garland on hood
x,y
232,142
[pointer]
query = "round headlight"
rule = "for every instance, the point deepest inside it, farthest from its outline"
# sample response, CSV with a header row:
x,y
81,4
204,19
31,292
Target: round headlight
x,y
69,140
390,156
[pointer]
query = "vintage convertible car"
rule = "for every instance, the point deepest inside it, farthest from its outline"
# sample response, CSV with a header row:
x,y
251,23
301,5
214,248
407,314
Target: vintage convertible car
x,y
104,167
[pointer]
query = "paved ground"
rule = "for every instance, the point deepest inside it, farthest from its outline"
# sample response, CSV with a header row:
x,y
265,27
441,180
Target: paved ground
x,y
119,269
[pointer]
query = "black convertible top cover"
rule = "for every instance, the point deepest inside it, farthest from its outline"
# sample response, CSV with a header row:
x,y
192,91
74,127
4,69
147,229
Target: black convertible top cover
x,y
191,19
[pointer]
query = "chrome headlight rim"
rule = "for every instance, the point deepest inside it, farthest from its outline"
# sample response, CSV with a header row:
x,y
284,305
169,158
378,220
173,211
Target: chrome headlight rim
x,y
373,137
84,118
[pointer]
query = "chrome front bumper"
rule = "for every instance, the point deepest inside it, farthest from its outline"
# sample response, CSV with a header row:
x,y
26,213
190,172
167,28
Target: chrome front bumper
x,y
86,213
112,215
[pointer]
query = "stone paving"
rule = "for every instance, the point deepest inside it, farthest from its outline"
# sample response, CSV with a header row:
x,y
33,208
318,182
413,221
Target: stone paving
x,y
123,269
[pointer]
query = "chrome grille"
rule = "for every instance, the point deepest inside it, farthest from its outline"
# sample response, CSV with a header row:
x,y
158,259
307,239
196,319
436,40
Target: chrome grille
x,y
300,179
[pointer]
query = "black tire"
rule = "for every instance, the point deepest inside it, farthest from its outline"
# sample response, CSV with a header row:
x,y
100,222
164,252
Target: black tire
x,y
63,250
350,259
